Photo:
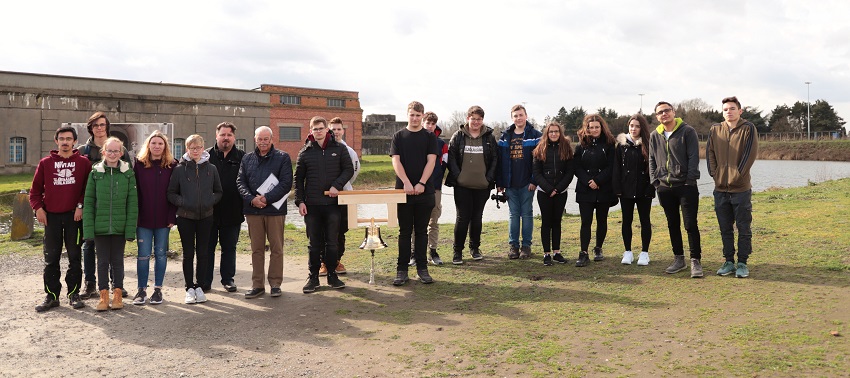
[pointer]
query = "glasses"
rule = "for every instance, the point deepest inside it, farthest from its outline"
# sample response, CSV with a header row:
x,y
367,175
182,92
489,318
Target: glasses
x,y
317,129
196,148
113,152
554,132
664,111
99,125
65,139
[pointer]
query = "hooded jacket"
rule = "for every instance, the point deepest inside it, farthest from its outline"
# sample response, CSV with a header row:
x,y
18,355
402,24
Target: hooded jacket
x,y
194,187
457,145
92,152
255,170
504,174
674,161
553,173
442,162
355,163
228,211
59,184
111,205
730,153
594,162
631,170
319,168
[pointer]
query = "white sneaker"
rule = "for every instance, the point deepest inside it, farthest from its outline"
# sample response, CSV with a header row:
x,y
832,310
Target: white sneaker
x,y
190,296
643,258
628,257
199,296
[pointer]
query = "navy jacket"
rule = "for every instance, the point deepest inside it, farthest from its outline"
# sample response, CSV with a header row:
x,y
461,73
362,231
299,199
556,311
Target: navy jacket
x,y
530,138
254,171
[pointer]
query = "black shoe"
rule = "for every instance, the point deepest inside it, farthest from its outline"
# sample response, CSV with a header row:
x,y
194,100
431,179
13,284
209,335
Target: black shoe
x,y
140,298
547,259
559,258
206,289
231,288
583,259
424,277
276,292
513,254
435,258
89,292
412,261
49,302
76,302
156,297
400,278
476,254
525,252
458,258
255,292
312,284
334,282
597,254
124,293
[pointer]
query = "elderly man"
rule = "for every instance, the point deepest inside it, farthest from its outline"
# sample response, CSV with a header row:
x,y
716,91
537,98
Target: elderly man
x,y
265,178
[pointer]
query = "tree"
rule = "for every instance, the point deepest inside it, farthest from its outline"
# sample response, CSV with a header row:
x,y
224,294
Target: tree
x,y
824,117
780,120
609,115
572,121
753,114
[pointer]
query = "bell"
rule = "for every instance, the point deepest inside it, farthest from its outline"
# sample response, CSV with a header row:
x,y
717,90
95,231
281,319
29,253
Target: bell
x,y
373,238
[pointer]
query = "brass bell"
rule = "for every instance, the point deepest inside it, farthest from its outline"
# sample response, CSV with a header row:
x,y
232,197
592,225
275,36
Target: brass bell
x,y
373,238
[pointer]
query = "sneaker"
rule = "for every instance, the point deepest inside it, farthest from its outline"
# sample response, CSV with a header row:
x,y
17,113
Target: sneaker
x,y
458,258
76,302
230,288
412,261
334,282
557,256
276,292
525,252
424,277
323,270
597,254
190,296
547,259
476,254
513,254
256,292
727,268
628,257
400,278
140,298
583,259
311,285
643,259
696,268
741,271
435,257
90,291
124,293
156,297
199,295
340,269
677,266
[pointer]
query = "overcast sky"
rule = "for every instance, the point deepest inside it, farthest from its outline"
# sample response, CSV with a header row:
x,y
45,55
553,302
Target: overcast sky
x,y
453,54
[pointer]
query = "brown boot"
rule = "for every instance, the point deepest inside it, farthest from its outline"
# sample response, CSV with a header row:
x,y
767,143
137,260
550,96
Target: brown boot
x,y
117,302
103,305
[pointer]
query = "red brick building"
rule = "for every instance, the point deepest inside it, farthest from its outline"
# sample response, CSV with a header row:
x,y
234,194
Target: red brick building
x,y
292,108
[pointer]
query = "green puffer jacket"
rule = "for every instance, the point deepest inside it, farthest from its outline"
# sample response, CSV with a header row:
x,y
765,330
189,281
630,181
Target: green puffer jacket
x,y
111,205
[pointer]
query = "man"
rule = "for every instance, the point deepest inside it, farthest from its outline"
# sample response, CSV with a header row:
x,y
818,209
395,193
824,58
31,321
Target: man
x,y
437,176
98,127
730,153
322,165
514,177
674,171
414,151
56,196
227,216
338,131
265,178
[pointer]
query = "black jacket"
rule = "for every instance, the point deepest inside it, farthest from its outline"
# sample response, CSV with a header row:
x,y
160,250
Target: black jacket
x,y
194,188
554,173
631,170
317,170
228,211
594,162
491,155
255,170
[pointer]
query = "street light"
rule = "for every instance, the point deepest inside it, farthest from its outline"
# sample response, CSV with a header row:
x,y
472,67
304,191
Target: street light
x,y
641,102
808,112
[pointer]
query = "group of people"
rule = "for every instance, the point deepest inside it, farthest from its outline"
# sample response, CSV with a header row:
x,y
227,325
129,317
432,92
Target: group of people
x,y
96,197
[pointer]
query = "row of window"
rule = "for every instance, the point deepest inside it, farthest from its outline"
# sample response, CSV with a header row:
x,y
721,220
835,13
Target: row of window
x,y
296,100
18,148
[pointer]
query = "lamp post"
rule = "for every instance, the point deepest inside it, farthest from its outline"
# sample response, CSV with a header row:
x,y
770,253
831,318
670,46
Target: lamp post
x,y
808,112
641,102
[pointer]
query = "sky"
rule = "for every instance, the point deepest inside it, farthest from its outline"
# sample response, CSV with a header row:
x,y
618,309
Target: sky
x,y
451,55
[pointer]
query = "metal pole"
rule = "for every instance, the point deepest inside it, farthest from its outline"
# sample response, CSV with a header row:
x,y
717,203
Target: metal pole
x,y
641,102
808,112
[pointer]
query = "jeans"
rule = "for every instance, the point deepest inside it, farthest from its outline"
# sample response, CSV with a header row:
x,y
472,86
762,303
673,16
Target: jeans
x,y
520,202
470,209
322,223
735,208
156,240
551,213
685,197
61,228
413,218
89,266
225,236
586,210
194,236
110,259
643,206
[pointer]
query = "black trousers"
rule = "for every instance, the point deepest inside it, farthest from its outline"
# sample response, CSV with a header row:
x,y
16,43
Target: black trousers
x,y
643,206
686,198
551,213
586,209
413,218
195,238
322,223
61,229
110,259
470,209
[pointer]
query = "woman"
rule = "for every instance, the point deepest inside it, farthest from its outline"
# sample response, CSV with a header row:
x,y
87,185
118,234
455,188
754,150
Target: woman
x,y
153,169
553,169
631,184
110,211
472,172
195,188
594,168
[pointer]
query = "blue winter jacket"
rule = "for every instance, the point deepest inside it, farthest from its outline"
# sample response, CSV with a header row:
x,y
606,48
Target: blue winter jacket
x,y
530,137
254,171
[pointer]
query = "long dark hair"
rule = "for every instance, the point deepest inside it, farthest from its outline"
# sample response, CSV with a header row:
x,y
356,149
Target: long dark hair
x,y
644,134
565,148
584,135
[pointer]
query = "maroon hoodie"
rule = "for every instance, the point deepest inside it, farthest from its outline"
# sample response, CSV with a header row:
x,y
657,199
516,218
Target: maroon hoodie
x,y
59,184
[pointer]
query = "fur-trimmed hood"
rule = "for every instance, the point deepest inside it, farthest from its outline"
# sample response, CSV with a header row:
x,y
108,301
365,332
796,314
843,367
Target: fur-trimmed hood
x,y
100,166
624,138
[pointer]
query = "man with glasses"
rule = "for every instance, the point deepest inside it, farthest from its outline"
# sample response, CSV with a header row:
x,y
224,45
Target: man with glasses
x,y
674,171
323,165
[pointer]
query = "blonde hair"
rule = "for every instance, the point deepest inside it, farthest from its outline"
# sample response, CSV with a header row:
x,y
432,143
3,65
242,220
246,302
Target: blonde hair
x,y
145,157
194,139
107,142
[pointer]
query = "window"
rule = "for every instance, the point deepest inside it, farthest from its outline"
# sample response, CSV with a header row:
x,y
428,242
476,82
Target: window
x,y
240,144
290,100
17,150
290,133
336,103
179,147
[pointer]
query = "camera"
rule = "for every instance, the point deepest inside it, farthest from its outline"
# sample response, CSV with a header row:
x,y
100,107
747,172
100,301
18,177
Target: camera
x,y
499,197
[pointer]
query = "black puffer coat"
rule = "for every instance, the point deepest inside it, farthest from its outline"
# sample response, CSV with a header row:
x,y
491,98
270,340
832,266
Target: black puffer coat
x,y
491,158
631,170
554,173
317,170
594,162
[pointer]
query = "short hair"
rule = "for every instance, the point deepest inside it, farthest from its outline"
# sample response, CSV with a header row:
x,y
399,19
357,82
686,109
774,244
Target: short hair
x,y
93,118
108,141
664,103
318,119
416,106
65,129
475,110
260,129
194,139
430,117
145,156
225,124
336,120
731,99
519,107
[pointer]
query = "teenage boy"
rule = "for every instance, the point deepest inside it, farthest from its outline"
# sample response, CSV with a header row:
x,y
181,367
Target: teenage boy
x,y
414,153
227,216
437,176
322,165
730,153
56,196
674,171
515,179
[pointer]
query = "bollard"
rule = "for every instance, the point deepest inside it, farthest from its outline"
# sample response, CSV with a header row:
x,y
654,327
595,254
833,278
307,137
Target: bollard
x,y
22,217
